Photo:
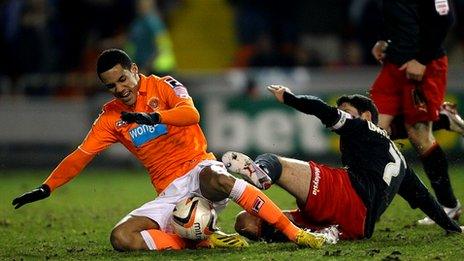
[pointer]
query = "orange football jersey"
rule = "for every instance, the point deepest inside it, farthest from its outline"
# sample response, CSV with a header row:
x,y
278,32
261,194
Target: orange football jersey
x,y
168,150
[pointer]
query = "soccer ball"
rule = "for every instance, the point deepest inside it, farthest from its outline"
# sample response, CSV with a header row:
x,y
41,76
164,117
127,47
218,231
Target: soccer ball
x,y
194,218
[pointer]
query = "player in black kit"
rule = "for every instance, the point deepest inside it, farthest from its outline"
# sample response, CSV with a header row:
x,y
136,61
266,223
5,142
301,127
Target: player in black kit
x,y
353,197
412,84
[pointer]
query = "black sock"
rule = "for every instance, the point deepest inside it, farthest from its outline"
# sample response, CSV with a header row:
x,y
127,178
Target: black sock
x,y
442,123
436,167
271,165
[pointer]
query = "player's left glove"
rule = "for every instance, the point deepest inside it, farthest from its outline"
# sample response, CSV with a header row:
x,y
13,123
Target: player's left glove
x,y
141,117
31,196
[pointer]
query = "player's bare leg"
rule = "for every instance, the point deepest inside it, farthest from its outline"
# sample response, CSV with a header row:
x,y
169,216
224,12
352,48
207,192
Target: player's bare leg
x,y
295,178
384,121
435,166
142,233
421,137
449,119
291,174
217,186
126,234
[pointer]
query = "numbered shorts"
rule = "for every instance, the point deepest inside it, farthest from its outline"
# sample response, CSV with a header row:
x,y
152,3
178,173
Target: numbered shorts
x,y
394,94
332,201
160,209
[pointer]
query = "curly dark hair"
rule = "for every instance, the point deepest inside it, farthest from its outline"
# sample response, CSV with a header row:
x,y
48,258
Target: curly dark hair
x,y
361,103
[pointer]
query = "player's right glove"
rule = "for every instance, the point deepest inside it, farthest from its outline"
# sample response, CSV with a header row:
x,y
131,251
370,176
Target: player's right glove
x,y
140,117
31,196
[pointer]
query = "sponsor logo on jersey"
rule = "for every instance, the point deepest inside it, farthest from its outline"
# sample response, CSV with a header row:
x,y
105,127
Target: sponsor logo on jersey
x,y
259,202
153,103
178,87
442,7
145,133
317,178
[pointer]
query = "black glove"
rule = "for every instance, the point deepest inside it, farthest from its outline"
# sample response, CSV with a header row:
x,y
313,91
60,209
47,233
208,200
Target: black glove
x,y
140,117
31,196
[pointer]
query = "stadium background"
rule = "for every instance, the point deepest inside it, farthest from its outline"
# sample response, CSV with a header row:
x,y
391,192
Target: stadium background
x,y
226,52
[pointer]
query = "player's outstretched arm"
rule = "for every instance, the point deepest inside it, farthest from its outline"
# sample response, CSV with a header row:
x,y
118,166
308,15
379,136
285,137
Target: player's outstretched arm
x,y
31,196
307,104
278,91
69,167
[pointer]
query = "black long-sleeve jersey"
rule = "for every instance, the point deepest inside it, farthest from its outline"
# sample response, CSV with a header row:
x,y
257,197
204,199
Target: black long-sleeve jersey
x,y
415,29
377,170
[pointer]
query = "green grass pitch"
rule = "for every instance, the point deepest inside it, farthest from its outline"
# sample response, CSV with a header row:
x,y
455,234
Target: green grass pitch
x,y
75,222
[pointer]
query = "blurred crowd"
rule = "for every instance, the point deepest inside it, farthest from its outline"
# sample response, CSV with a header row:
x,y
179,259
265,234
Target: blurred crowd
x,y
62,38
44,41
313,33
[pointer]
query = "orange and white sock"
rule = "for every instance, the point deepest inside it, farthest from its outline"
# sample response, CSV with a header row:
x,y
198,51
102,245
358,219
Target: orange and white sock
x,y
159,240
257,203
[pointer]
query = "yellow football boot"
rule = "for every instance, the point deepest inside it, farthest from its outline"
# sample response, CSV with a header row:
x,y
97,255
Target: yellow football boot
x,y
222,240
306,238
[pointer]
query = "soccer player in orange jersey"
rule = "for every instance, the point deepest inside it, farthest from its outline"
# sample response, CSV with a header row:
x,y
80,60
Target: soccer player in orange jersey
x,y
156,120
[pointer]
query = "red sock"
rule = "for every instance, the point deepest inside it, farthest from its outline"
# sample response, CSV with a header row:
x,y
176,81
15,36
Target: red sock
x,y
257,203
159,240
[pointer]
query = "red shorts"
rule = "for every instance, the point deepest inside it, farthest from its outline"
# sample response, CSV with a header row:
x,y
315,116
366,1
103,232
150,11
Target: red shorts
x,y
394,94
332,201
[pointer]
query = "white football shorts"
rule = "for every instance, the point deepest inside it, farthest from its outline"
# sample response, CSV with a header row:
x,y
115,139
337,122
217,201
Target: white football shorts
x,y
160,209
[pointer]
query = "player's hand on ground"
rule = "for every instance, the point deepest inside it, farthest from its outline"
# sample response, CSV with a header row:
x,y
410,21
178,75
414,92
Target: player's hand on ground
x,y
378,51
414,70
278,91
31,196
140,117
